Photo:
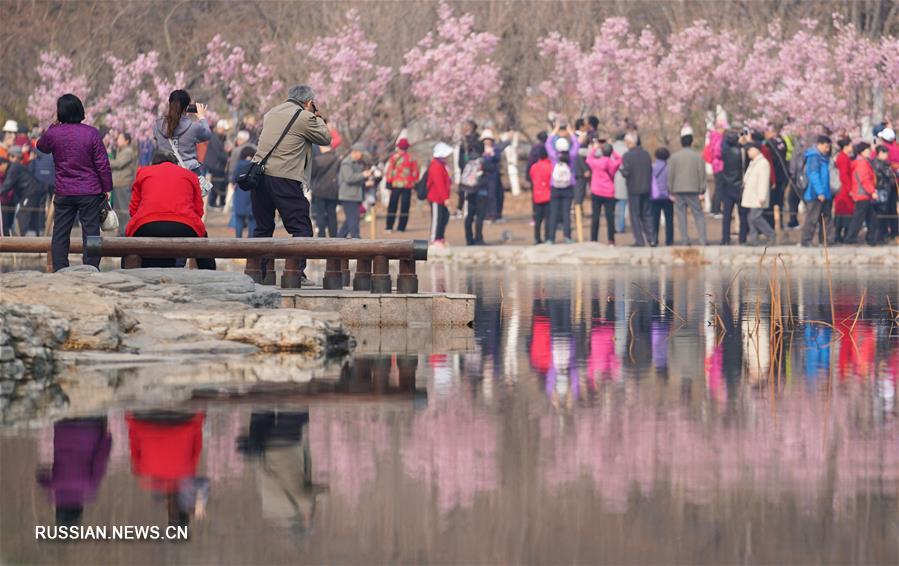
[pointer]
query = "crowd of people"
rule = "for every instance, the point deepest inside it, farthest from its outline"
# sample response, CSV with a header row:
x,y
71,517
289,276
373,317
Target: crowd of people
x,y
763,177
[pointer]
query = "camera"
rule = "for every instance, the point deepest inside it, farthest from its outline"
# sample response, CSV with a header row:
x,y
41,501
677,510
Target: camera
x,y
191,108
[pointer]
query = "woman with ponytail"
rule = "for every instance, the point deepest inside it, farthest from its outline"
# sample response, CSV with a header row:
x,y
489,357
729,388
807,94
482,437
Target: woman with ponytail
x,y
175,125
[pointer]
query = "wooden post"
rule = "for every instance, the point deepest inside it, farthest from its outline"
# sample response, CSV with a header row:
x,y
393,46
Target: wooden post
x,y
131,262
407,280
380,278
333,278
290,278
362,280
374,222
253,270
579,222
345,272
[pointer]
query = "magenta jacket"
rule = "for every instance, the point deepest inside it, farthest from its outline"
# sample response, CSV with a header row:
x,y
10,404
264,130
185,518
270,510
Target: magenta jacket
x,y
715,139
82,166
602,173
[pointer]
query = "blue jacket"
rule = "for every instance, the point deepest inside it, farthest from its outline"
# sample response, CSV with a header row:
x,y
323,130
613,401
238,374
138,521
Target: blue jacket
x,y
817,169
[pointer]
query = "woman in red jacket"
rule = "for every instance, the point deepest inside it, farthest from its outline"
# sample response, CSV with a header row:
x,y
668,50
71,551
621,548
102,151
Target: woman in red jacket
x,y
863,186
439,193
541,173
843,205
166,202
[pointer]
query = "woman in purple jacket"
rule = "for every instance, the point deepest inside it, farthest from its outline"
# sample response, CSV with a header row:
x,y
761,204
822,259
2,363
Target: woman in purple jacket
x,y
83,178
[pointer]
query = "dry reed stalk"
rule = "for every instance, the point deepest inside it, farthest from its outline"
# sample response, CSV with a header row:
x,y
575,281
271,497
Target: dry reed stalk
x,y
661,302
789,287
861,305
630,329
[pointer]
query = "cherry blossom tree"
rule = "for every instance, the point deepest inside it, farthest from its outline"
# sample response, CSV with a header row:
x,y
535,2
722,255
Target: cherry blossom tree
x,y
348,83
57,77
241,84
452,74
560,92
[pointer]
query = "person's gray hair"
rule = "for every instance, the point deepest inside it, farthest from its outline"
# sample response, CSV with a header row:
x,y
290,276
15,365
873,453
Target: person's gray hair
x,y
630,137
301,94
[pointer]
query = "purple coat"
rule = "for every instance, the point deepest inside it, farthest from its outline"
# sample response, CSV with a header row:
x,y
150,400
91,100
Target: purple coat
x,y
82,166
572,151
80,454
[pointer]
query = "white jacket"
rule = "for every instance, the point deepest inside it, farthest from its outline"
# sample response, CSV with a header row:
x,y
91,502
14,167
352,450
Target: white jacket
x,y
757,184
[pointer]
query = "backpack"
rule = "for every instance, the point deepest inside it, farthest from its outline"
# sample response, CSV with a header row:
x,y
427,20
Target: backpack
x,y
561,178
421,187
801,180
471,175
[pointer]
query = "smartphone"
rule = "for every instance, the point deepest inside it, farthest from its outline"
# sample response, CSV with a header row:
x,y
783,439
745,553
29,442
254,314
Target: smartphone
x,y
191,108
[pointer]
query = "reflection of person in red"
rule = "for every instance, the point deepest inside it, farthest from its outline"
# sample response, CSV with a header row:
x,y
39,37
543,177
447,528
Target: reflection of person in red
x,y
165,452
603,363
541,344
858,347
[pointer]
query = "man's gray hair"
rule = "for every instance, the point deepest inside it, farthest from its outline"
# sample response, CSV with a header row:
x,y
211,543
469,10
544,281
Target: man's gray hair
x,y
631,137
301,94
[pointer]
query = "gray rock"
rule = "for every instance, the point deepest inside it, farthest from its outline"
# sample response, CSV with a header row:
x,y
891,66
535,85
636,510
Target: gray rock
x,y
79,269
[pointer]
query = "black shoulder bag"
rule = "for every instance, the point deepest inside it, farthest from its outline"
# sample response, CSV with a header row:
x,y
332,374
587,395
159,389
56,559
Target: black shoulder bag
x,y
252,179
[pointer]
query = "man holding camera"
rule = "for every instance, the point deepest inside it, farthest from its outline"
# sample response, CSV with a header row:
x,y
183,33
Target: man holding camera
x,y
288,168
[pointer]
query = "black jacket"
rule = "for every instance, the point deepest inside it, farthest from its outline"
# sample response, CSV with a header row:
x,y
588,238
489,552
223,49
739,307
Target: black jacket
x,y
22,183
216,156
324,182
636,168
732,174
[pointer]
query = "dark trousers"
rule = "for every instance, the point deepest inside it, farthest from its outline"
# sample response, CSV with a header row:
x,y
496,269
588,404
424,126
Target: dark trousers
x,y
641,218
818,219
598,205
401,197
477,211
286,197
216,197
439,219
541,222
31,214
560,212
717,197
863,213
728,203
659,207
325,212
9,216
121,201
350,226
777,199
889,222
793,201
169,230
841,227
66,209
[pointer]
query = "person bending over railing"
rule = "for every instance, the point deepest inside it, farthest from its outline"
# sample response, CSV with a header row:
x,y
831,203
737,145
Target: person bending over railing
x,y
166,202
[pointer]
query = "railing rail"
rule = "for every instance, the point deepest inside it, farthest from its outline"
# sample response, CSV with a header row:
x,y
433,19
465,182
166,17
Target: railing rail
x,y
372,256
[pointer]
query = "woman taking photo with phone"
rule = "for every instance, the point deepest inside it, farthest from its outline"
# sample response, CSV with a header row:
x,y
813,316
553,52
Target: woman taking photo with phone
x,y
176,133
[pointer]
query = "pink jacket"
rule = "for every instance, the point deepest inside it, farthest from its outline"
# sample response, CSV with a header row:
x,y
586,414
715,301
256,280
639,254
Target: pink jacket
x,y
602,173
715,139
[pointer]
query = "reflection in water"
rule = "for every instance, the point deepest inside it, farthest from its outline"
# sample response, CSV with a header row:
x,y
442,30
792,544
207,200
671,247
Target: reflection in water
x,y
626,417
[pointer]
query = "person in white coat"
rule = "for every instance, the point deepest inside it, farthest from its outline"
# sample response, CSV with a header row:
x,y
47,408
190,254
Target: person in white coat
x,y
757,194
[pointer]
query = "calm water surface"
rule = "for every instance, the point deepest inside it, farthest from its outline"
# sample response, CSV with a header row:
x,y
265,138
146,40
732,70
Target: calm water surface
x,y
591,416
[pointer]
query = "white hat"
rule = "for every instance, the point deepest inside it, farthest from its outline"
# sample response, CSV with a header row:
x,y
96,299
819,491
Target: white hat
x,y
223,124
686,130
487,134
243,135
442,150
11,127
888,134
562,145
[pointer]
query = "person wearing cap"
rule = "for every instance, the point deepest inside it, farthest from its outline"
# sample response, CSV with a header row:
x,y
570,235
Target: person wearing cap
x,y
216,162
636,168
289,166
83,178
562,193
818,198
353,174
687,184
28,195
484,199
561,132
438,181
401,175
757,193
10,129
862,191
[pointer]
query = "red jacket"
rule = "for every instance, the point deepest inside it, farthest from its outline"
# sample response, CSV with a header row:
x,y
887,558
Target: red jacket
x,y
402,170
843,205
541,177
438,182
163,453
166,193
864,183
766,152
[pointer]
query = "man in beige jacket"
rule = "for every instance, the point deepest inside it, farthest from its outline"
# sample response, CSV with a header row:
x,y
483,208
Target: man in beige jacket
x,y
757,193
288,169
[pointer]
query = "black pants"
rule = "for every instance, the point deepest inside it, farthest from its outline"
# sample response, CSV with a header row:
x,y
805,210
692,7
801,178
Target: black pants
x,y
641,218
600,204
659,207
477,210
216,197
864,213
286,197
818,220
560,212
841,227
793,201
718,195
9,216
66,209
31,215
325,212
403,197
541,220
728,203
169,230
889,222
439,219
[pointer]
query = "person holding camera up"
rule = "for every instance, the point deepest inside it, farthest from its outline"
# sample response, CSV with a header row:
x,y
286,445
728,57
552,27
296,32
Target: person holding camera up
x,y
289,165
176,133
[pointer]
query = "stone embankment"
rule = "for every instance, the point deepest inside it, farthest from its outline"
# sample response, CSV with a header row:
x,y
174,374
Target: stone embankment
x,y
588,254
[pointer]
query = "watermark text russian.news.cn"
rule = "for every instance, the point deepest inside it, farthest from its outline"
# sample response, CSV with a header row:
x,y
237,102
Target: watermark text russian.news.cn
x,y
115,532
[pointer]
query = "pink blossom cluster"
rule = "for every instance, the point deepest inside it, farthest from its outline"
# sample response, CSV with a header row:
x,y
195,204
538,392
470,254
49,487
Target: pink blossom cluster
x,y
57,77
240,82
451,73
344,74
